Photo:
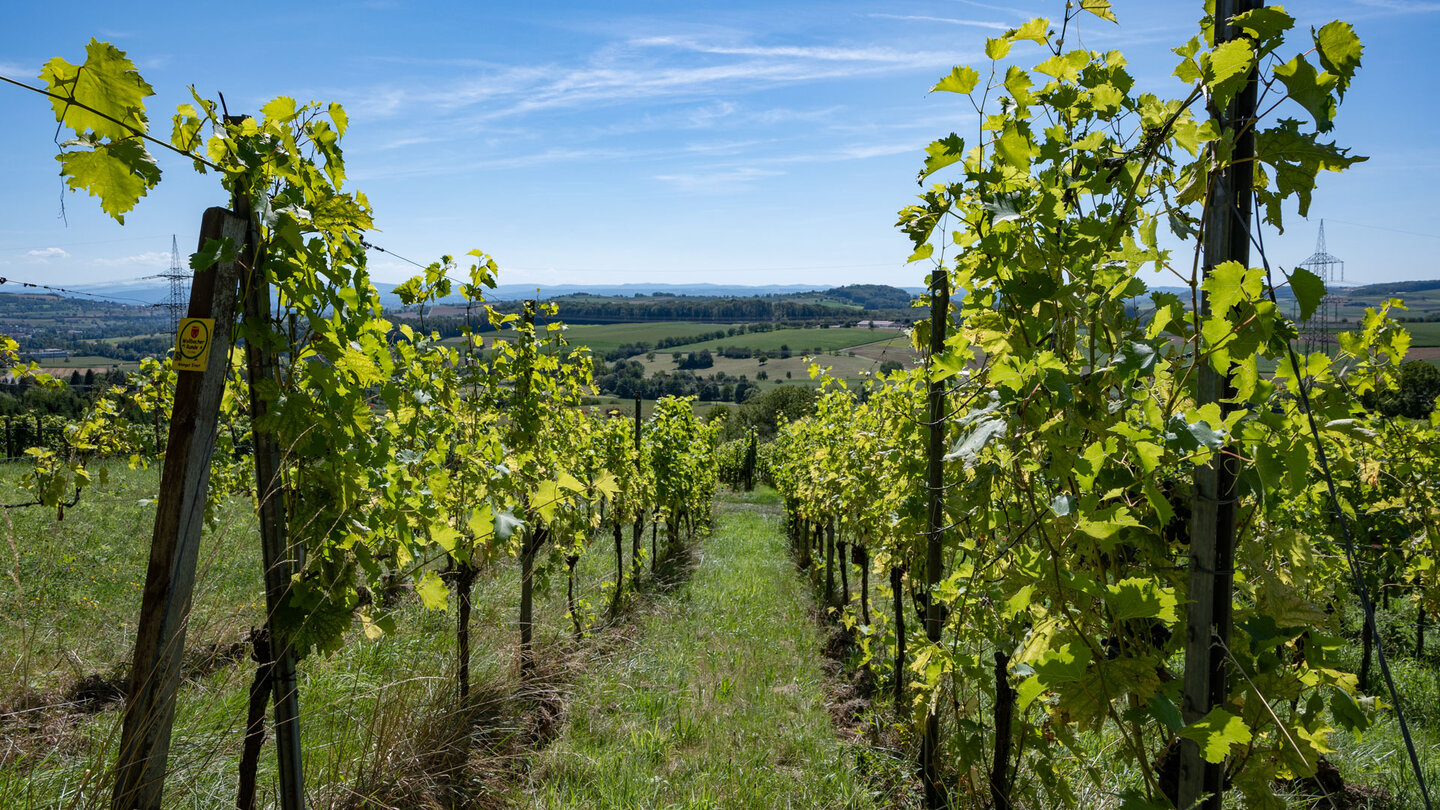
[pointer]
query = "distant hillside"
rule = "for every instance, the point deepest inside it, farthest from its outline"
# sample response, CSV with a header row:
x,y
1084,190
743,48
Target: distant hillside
x,y
1395,288
520,292
871,296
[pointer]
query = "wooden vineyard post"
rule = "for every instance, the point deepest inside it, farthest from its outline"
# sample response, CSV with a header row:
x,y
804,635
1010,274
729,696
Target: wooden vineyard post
x,y
935,526
1212,526
174,546
281,559
532,536
830,562
639,533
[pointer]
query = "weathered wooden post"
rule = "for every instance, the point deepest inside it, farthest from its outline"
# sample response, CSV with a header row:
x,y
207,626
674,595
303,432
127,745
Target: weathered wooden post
x,y
204,343
935,524
639,532
280,558
533,534
1212,525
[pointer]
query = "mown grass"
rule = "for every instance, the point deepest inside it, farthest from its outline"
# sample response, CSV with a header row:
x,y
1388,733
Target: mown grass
x,y
70,589
370,712
720,704
1378,757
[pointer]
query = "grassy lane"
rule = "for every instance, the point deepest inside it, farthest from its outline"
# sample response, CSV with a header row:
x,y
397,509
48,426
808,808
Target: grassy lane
x,y
720,704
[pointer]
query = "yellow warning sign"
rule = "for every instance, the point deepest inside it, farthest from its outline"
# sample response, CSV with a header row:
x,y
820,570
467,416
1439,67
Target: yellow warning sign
x,y
192,344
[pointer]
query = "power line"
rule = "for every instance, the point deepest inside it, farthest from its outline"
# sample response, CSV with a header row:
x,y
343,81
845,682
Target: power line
x,y
32,285
372,246
1383,228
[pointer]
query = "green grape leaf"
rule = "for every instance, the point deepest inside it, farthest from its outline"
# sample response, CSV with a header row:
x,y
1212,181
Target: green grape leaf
x,y
1226,68
607,485
961,80
1037,29
185,130
1227,284
1100,8
1348,713
1296,157
980,426
1065,67
1018,83
1164,709
445,536
1310,90
1004,207
281,108
342,121
118,172
942,153
1216,733
1140,598
108,83
506,524
1194,435
1015,147
997,47
1264,22
1029,689
211,253
1309,291
432,591
1340,51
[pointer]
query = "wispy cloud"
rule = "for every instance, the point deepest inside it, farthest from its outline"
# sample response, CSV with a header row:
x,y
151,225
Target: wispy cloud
x,y
856,151
1007,9
1403,6
947,20
717,181
892,56
17,71
154,257
47,253
643,69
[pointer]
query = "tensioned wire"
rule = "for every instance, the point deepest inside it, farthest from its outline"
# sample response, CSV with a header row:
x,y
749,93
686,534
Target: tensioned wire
x,y
1356,572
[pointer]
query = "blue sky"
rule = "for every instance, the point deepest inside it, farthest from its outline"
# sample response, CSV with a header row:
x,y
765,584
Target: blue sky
x,y
737,142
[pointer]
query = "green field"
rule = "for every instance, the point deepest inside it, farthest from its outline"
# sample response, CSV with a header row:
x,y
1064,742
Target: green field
x,y
799,340
605,337
87,361
1424,334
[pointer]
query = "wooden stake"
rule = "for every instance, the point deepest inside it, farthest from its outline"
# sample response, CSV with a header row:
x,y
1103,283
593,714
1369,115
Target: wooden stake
x,y
533,533
281,559
935,526
639,531
1212,526
174,546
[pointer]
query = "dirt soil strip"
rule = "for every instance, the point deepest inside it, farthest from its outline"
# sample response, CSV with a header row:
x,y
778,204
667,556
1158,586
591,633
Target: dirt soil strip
x,y
720,703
